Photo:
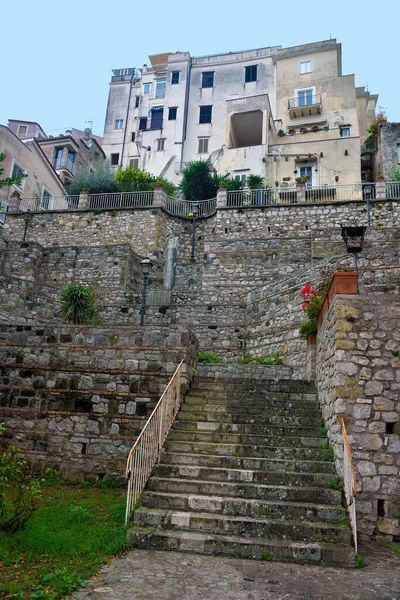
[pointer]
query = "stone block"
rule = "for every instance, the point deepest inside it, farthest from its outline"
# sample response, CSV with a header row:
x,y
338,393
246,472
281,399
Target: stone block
x,y
366,468
373,388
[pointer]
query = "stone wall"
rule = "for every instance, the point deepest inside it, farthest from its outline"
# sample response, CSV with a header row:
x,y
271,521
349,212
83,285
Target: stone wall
x,y
76,397
358,373
388,144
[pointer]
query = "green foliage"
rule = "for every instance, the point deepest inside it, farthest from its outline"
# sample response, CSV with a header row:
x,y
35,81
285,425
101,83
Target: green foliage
x,y
168,186
274,358
78,305
394,174
209,358
336,521
135,180
231,183
255,181
67,539
359,562
8,181
311,311
19,490
99,179
322,432
198,181
111,482
335,484
265,554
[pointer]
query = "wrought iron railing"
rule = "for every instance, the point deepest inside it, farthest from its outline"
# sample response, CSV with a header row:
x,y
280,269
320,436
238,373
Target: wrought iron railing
x,y
349,478
49,203
304,100
184,208
291,194
146,450
393,190
121,200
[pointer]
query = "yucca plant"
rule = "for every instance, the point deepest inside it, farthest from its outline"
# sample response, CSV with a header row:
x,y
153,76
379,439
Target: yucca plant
x,y
198,182
78,305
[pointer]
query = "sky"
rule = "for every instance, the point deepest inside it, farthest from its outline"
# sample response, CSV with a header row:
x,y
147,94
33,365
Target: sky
x,y
57,57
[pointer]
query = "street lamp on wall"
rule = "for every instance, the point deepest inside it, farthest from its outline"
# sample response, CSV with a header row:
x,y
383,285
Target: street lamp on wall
x,y
194,213
146,265
353,236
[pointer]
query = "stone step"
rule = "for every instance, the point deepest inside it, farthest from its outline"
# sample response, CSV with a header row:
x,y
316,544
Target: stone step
x,y
313,420
232,398
339,555
258,476
245,439
315,495
295,531
241,450
262,410
251,386
274,464
249,507
249,428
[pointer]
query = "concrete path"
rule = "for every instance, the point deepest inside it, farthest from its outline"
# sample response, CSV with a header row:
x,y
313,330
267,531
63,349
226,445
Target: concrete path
x,y
148,575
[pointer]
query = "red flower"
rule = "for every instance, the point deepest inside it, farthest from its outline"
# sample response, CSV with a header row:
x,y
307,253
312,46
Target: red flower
x,y
306,289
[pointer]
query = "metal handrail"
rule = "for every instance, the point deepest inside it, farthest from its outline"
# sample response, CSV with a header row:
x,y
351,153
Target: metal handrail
x,y
350,489
146,450
184,208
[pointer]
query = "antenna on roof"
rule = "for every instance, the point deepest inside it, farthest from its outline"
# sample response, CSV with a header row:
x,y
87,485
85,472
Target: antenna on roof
x,y
87,132
90,123
366,87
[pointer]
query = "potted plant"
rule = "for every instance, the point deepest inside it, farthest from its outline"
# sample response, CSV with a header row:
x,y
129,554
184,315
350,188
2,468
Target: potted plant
x,y
379,177
312,302
302,180
286,178
326,128
281,133
277,183
315,128
292,130
336,178
303,129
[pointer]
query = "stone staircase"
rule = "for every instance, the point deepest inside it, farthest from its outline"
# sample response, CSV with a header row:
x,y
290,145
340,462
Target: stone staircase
x,y
243,473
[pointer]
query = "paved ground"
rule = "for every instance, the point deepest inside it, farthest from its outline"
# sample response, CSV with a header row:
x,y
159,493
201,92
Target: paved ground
x,y
148,575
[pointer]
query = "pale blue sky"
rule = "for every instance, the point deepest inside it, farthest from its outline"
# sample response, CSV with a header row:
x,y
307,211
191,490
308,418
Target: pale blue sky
x,y
57,56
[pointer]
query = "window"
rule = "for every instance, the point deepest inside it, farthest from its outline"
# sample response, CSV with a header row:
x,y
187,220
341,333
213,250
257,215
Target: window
x,y
46,197
70,161
172,114
114,160
146,89
207,80
345,131
58,153
160,145
240,176
250,73
205,114
305,66
157,113
134,163
175,77
22,131
305,97
142,123
203,145
18,171
119,124
133,136
160,87
137,101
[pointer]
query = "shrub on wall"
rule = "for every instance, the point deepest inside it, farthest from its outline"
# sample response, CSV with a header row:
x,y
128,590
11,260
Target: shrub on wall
x,y
198,181
78,305
136,180
99,179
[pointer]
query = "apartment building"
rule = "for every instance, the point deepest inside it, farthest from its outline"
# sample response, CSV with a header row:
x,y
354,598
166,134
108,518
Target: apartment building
x,y
279,112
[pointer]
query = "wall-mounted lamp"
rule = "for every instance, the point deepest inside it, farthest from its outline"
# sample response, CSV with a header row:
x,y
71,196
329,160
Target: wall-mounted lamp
x,y
346,152
321,155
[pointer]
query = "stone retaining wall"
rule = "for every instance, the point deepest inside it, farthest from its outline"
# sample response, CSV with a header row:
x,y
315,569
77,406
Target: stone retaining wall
x,y
358,373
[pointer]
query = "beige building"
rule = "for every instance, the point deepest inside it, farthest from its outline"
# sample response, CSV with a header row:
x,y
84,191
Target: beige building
x,y
42,183
284,113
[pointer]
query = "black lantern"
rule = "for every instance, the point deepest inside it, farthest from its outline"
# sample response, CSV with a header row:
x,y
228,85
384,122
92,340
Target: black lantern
x,y
368,193
353,236
146,265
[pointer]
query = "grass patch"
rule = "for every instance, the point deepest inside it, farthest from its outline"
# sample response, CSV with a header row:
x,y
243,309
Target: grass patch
x,y
359,562
209,358
75,531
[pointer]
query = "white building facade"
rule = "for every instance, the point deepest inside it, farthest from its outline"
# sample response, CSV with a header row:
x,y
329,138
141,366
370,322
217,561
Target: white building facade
x,y
236,109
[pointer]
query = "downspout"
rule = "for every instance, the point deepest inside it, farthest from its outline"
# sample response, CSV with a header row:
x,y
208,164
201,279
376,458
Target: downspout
x,y
185,120
126,120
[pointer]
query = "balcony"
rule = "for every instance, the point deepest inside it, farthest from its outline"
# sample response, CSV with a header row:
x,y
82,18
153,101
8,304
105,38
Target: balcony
x,y
305,105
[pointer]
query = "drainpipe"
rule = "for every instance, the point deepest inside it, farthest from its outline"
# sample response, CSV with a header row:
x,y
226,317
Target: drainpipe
x,y
185,120
126,120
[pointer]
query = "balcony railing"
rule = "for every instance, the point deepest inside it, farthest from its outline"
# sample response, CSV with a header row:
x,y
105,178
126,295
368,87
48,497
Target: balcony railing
x,y
305,105
184,209
293,195
305,101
